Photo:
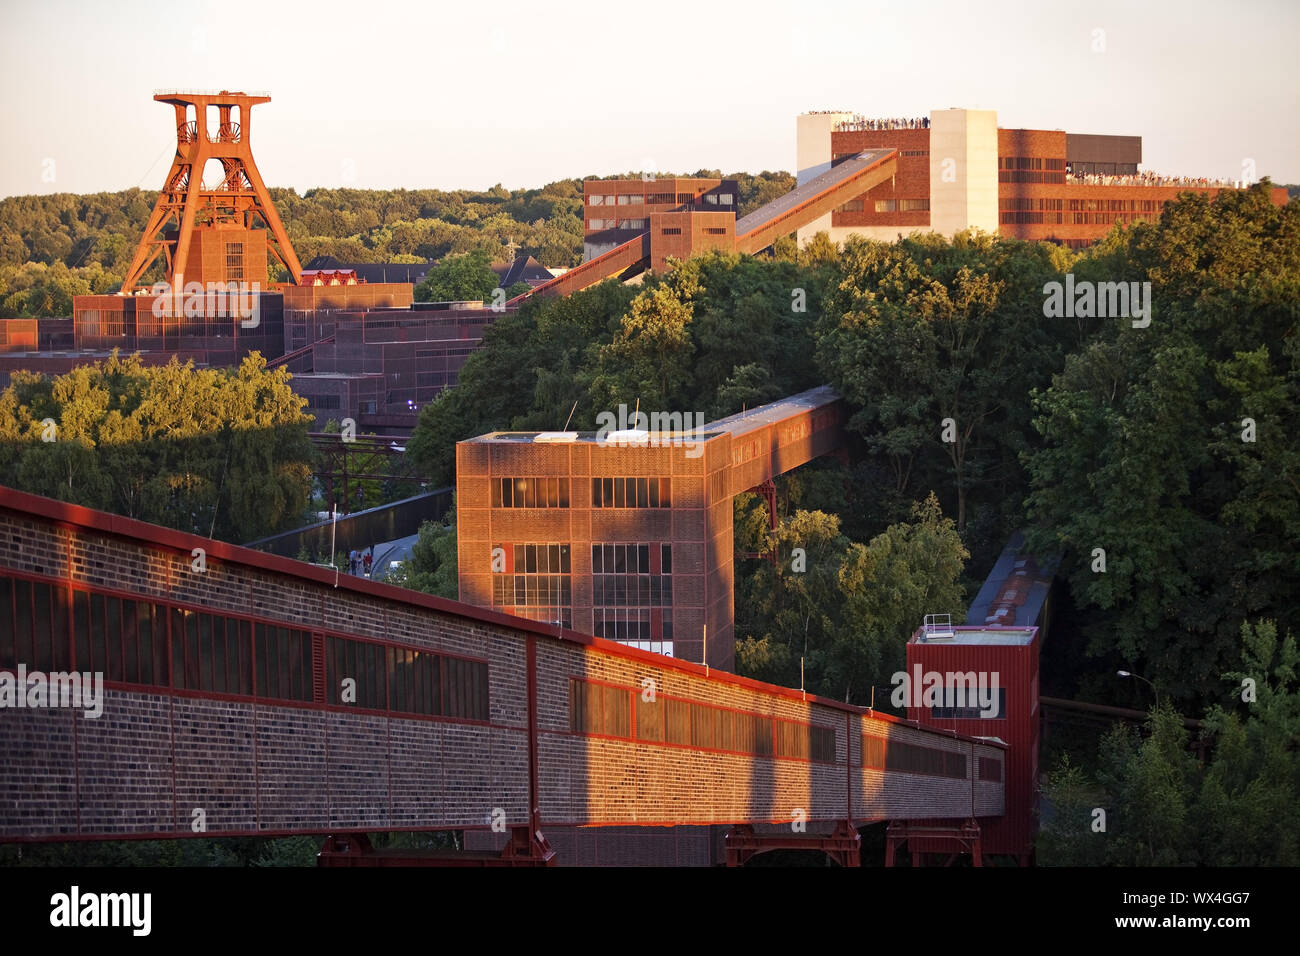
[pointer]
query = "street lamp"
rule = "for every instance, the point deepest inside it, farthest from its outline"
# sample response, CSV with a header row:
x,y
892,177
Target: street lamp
x,y
1154,690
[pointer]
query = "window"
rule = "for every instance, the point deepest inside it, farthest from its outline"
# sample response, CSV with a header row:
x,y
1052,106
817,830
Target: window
x,y
127,641
671,231
853,205
595,200
973,712
530,492
628,200
726,199
715,231
804,742
283,662
355,673
535,583
600,709
886,205
634,224
912,758
631,493
234,261
990,768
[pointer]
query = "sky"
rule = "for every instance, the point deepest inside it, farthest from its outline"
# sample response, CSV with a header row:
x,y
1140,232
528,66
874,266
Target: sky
x,y
465,95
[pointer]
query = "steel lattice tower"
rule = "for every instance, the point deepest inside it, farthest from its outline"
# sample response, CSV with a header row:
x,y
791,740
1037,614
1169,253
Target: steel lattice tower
x,y
186,203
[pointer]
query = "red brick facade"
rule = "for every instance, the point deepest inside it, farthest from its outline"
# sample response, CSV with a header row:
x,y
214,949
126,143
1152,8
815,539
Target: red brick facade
x,y
159,753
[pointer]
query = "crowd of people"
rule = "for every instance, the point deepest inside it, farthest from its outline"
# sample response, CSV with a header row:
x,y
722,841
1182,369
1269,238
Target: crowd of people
x,y
1145,178
862,123
359,561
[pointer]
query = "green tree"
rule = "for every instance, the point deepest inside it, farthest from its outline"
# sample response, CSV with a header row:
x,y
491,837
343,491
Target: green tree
x,y
459,278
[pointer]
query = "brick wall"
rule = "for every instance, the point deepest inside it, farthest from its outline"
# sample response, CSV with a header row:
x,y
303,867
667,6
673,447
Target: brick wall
x,y
155,755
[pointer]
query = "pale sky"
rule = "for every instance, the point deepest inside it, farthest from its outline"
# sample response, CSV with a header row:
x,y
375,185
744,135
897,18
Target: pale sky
x,y
465,95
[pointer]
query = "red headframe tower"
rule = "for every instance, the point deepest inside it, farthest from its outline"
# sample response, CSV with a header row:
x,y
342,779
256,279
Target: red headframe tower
x,y
206,231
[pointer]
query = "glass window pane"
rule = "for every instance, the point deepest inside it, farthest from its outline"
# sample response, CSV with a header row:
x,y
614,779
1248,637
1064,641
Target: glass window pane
x,y
41,631
7,656
178,647
113,638
218,663
130,643
98,651
145,634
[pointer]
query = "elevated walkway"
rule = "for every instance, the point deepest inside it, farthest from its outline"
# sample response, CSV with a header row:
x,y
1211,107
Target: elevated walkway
x,y
755,232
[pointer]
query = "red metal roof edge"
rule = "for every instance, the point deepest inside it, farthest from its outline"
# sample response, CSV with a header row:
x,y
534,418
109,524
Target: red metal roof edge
x,y
24,503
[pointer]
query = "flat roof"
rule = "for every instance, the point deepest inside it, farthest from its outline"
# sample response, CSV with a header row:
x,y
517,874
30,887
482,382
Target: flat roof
x,y
737,424
990,636
753,418
590,438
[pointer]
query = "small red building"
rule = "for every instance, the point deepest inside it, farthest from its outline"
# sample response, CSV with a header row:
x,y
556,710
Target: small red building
x,y
983,678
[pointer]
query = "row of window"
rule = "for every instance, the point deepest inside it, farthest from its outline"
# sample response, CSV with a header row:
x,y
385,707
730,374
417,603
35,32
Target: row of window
x,y
595,225
49,628
403,680
880,754
627,590
970,713
531,590
635,626
888,205
631,493
631,559
1073,218
1021,176
1021,204
1030,162
533,559
661,199
605,492
623,712
1116,205
530,492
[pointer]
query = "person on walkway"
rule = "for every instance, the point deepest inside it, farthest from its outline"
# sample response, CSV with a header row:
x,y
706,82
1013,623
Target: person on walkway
x,y
370,556
352,561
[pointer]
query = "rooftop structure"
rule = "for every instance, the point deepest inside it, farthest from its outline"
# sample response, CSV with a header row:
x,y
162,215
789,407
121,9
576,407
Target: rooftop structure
x,y
958,170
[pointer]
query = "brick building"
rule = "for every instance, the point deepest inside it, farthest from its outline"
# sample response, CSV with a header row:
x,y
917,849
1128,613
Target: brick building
x,y
627,539
957,169
224,690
